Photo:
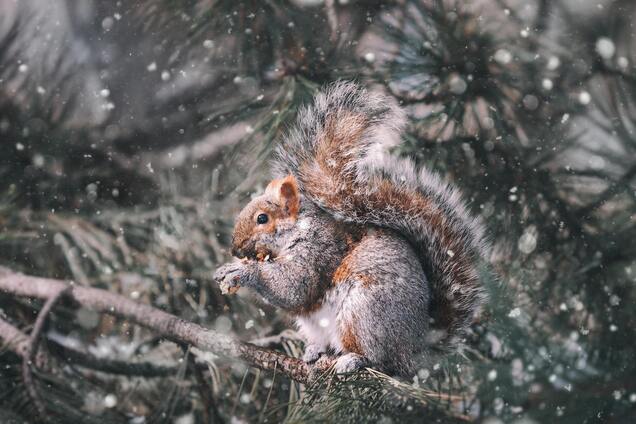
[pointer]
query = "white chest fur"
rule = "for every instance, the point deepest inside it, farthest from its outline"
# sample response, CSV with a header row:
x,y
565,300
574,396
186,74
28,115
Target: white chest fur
x,y
321,327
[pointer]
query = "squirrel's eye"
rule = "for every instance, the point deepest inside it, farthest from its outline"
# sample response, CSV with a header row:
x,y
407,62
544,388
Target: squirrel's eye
x,y
261,218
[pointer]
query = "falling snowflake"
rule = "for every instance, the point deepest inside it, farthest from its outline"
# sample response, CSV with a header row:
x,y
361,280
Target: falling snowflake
x,y
503,56
110,401
584,98
514,313
553,63
547,84
605,47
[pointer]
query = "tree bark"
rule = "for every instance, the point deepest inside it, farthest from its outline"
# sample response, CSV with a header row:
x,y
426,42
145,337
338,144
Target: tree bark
x,y
163,323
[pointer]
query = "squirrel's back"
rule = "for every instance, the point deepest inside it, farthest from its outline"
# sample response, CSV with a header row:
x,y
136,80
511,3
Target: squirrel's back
x,y
338,152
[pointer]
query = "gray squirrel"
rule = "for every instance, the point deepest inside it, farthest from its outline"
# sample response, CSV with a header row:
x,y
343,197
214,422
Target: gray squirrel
x,y
376,261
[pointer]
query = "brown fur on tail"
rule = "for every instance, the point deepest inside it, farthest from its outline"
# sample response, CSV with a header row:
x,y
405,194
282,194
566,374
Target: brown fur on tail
x,y
338,153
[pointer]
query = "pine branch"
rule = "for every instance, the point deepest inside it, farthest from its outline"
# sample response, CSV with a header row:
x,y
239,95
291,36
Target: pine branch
x,y
16,341
32,350
610,192
165,324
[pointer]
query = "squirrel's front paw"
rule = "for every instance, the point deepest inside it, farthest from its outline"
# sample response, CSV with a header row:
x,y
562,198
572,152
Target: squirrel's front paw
x,y
228,277
312,353
350,362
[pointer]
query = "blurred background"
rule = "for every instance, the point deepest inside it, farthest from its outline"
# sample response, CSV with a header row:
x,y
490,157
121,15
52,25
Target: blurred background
x,y
132,132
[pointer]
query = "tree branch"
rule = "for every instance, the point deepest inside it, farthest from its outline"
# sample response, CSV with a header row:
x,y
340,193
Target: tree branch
x,y
18,343
165,324
111,366
32,350
613,189
332,19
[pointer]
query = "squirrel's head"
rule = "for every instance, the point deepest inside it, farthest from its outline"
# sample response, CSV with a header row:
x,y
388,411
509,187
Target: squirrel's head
x,y
261,224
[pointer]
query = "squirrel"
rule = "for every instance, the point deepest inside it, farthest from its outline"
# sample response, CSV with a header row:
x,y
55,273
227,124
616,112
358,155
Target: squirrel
x,y
378,262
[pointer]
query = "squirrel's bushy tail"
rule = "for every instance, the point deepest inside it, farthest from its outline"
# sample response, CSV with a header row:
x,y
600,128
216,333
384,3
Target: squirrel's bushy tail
x,y
338,151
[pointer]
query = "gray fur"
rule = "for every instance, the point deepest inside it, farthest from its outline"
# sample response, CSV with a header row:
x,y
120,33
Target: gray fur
x,y
368,162
390,313
381,304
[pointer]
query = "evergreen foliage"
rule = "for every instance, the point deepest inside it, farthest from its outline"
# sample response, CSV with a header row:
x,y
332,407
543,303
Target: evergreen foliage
x,y
132,132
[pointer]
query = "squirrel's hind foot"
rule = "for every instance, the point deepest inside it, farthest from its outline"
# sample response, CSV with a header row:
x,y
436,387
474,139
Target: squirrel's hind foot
x,y
350,362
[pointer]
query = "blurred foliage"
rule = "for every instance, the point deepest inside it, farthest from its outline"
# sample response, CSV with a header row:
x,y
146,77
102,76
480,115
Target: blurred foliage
x,y
132,132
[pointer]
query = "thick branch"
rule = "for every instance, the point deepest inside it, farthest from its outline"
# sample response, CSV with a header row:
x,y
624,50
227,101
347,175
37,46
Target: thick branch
x,y
159,321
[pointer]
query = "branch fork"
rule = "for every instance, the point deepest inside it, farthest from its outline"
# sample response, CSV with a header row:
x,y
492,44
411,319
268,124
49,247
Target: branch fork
x,y
163,323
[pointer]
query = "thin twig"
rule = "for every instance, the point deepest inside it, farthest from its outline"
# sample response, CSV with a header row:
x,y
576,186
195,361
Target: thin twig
x,y
18,343
110,366
14,339
269,394
276,339
332,18
206,394
610,192
238,394
32,349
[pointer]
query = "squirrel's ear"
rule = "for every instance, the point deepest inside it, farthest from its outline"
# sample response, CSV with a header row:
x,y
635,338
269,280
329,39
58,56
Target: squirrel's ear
x,y
289,196
286,191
